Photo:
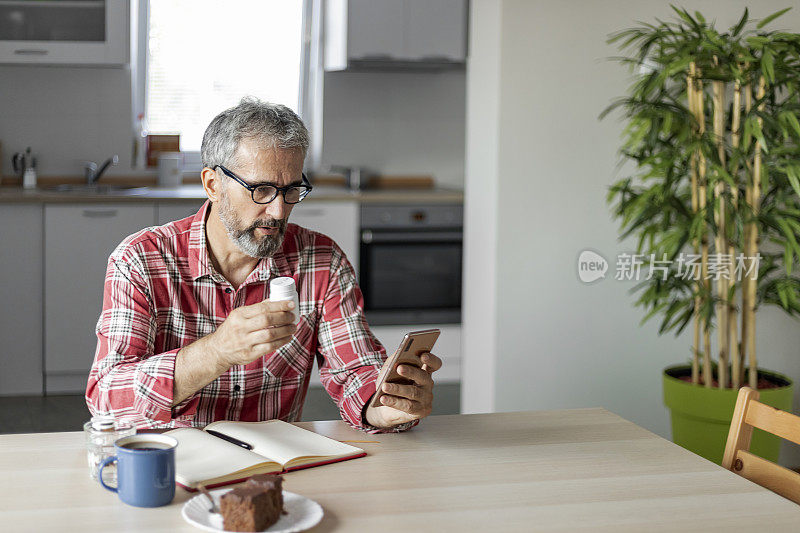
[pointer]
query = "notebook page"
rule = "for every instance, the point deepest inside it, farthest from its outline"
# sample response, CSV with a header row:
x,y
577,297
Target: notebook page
x,y
282,442
200,456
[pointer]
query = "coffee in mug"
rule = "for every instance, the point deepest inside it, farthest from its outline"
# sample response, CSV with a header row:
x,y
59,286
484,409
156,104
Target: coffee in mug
x,y
145,469
145,446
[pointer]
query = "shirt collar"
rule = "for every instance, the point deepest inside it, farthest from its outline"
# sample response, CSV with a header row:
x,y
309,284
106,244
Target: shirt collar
x,y
200,262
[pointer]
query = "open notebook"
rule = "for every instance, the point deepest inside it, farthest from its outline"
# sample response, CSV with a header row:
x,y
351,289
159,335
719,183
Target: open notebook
x,y
278,446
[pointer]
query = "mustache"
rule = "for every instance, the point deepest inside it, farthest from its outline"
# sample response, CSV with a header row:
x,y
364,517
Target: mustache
x,y
280,224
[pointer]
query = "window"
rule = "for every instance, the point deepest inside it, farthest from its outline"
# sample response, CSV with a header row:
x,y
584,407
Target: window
x,y
202,56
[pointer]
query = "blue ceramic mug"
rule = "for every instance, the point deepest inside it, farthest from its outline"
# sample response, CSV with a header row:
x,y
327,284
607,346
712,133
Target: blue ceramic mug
x,y
145,469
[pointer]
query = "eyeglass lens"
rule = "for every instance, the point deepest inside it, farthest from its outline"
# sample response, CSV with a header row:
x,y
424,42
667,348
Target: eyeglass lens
x,y
266,193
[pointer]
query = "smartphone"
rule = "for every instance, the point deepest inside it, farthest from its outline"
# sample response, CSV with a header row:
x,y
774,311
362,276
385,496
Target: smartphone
x,y
413,345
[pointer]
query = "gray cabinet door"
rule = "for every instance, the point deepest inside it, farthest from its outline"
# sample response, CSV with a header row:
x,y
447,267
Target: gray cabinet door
x,y
375,29
436,30
78,241
74,33
394,30
21,294
337,220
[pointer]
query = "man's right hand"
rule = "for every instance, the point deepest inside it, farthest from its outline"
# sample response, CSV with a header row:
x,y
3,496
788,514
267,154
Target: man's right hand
x,y
252,331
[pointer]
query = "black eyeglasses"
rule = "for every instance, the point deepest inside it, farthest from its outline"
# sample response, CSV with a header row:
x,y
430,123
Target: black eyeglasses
x,y
264,194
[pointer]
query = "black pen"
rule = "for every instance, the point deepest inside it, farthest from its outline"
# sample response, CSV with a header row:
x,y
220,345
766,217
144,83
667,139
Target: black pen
x,y
230,439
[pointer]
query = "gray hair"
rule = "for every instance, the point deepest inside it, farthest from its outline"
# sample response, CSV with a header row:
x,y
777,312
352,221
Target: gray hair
x,y
275,125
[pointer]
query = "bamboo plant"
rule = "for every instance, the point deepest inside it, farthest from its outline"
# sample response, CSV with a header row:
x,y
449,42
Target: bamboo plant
x,y
713,135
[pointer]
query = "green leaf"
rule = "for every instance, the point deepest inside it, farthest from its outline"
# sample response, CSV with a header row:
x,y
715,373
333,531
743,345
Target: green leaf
x,y
759,135
791,118
757,41
782,295
653,312
682,13
768,65
772,17
793,177
740,25
790,234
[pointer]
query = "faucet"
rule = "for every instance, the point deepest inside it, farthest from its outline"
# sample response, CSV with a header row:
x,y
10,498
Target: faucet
x,y
93,174
355,177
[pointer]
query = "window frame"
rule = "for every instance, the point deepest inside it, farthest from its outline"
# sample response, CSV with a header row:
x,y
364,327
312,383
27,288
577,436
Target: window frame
x,y
310,74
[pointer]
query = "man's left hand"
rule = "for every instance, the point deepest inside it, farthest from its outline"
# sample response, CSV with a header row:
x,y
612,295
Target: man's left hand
x,y
406,403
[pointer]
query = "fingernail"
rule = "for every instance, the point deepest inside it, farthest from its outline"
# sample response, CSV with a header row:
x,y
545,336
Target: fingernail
x,y
291,305
386,388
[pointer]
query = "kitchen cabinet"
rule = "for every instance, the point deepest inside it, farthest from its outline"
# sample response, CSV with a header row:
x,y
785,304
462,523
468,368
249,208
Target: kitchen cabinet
x,y
78,241
399,33
21,293
86,32
337,220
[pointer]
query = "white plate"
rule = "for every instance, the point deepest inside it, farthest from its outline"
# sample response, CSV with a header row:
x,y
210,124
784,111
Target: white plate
x,y
302,513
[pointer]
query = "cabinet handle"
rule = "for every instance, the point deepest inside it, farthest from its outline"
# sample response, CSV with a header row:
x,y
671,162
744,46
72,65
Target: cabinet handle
x,y
374,57
439,59
30,52
99,213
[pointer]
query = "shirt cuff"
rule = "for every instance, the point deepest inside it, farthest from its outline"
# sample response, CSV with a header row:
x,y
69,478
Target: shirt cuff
x,y
354,403
153,385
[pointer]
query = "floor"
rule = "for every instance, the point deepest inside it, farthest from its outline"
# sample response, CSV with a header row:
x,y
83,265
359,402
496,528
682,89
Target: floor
x,y
39,414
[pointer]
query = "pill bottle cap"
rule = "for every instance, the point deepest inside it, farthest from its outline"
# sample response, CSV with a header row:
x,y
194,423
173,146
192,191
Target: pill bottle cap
x,y
281,288
103,423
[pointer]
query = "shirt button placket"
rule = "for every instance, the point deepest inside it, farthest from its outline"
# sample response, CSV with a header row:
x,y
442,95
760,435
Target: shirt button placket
x,y
237,397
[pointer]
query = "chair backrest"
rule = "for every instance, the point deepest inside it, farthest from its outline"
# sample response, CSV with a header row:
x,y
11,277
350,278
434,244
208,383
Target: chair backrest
x,y
750,413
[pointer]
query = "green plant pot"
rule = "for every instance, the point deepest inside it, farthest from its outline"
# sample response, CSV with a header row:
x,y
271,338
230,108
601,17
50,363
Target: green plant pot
x,y
701,417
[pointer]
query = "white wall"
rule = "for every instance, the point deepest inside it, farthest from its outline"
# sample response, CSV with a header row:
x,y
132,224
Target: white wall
x,y
66,115
555,342
396,123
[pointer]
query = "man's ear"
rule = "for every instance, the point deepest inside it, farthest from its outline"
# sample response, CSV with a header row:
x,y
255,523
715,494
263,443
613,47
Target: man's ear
x,y
212,183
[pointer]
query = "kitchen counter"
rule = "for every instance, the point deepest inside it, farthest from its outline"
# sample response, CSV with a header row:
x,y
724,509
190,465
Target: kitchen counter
x,y
193,193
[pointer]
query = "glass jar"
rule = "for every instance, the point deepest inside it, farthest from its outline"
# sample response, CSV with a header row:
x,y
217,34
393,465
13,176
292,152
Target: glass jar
x,y
101,432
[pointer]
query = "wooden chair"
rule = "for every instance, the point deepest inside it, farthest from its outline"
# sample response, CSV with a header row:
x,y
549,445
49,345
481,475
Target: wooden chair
x,y
750,413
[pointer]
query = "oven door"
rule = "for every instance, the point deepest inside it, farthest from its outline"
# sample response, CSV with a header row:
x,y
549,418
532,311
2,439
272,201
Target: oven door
x,y
411,277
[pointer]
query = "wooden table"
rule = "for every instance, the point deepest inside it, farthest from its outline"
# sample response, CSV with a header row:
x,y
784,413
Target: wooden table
x,y
584,469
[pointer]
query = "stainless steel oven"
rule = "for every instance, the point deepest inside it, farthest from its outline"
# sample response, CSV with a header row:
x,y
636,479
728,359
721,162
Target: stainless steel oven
x,y
410,263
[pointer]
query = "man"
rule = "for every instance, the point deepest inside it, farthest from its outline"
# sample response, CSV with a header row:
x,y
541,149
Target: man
x,y
187,335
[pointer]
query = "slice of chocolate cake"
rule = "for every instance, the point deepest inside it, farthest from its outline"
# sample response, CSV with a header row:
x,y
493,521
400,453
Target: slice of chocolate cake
x,y
254,506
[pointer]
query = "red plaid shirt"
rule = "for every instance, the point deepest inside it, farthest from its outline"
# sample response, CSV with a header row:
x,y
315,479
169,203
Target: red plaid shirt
x,y
161,293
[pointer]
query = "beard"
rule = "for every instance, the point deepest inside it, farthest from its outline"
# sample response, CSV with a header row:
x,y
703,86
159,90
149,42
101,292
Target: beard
x,y
245,237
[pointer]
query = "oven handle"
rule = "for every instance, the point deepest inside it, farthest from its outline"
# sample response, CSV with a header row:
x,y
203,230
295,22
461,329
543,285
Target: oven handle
x,y
369,237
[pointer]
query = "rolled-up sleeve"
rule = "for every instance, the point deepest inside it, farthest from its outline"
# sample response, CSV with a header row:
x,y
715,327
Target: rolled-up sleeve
x,y
350,355
127,379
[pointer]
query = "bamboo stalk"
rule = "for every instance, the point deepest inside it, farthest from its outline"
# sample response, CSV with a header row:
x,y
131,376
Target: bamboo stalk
x,y
721,244
753,239
745,343
701,204
735,351
690,97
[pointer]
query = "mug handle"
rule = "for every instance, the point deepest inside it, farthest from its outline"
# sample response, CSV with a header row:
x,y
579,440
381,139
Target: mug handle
x,y
107,461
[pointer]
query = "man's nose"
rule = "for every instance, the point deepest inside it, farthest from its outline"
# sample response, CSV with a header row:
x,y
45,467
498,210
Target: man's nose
x,y
277,208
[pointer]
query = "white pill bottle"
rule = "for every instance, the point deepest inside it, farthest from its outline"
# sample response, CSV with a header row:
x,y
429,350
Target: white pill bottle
x,y
281,289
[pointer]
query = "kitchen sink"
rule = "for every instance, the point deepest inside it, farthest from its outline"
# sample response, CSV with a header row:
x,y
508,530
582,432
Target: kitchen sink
x,y
83,188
